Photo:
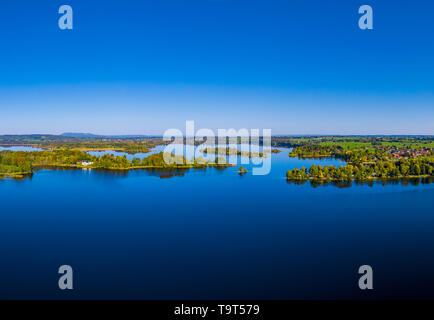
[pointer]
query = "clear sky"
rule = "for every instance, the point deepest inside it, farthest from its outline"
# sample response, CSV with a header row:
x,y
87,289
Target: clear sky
x,y
143,66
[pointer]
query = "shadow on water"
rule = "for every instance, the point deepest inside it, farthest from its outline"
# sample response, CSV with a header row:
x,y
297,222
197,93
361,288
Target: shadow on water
x,y
369,183
155,172
427,180
22,177
321,183
163,173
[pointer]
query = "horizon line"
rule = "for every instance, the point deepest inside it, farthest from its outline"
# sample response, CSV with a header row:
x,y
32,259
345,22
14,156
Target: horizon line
x,y
94,135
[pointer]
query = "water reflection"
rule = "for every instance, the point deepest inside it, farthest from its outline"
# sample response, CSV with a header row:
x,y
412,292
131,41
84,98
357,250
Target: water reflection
x,y
370,183
280,164
20,148
21,177
171,175
155,172
427,180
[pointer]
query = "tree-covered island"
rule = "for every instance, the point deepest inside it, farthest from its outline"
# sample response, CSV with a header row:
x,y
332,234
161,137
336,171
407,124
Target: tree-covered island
x,y
21,163
232,151
242,170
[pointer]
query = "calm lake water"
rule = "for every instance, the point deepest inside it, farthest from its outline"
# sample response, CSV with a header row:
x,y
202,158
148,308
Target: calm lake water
x,y
212,233
20,148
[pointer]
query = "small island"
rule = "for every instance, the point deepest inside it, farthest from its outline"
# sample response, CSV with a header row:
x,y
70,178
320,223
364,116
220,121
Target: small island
x,y
232,151
242,170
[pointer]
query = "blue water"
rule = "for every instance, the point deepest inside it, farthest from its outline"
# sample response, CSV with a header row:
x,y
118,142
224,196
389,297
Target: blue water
x,y
20,148
212,233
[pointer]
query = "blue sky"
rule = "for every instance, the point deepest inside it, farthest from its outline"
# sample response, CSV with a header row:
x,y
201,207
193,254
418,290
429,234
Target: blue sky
x,y
141,67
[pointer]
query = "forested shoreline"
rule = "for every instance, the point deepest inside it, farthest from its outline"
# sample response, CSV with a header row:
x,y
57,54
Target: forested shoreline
x,y
21,163
381,170
374,159
367,158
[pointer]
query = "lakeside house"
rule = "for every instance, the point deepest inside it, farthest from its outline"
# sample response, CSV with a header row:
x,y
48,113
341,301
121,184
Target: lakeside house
x,y
86,163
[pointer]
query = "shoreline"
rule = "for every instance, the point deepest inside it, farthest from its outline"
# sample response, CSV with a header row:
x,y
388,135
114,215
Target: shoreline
x,y
78,167
361,180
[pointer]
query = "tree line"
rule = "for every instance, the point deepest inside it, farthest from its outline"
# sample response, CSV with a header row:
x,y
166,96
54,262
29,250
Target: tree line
x,y
360,171
22,162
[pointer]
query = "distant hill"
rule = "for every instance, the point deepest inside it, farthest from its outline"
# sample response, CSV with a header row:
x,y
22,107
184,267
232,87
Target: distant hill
x,y
91,135
79,135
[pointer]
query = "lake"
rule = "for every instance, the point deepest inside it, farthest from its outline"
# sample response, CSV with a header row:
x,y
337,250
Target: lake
x,y
213,234
20,148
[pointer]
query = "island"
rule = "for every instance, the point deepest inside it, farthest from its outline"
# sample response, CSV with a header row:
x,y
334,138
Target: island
x,y
276,151
232,151
60,152
242,170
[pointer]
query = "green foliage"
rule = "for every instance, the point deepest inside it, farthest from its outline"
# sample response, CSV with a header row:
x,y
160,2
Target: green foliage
x,y
233,151
381,169
297,174
366,157
26,162
52,142
242,170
